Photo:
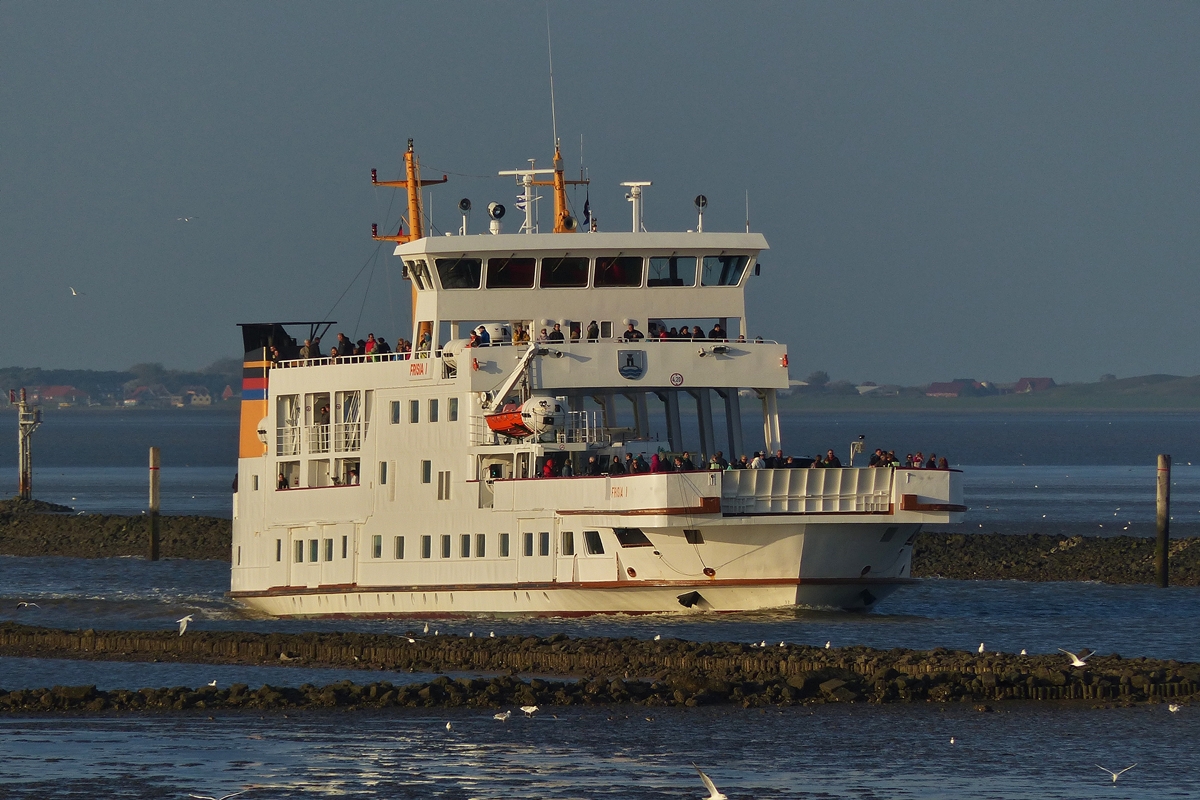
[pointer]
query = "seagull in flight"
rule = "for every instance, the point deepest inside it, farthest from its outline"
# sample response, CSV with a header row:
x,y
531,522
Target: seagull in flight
x,y
1116,775
449,727
502,717
713,792
75,293
183,623
185,219
222,797
1076,661
26,604
529,710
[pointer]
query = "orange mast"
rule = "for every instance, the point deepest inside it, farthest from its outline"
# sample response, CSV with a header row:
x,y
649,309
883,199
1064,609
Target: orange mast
x,y
412,185
563,221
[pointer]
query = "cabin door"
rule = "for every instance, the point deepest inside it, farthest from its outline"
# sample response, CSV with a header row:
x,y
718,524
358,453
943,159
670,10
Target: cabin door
x,y
338,554
535,550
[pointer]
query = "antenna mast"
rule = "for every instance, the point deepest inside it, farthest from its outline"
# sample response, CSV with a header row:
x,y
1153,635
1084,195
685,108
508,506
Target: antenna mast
x,y
550,55
412,183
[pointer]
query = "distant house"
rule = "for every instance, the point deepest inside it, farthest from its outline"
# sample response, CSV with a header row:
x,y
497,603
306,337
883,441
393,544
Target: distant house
x,y
196,396
963,387
62,395
1027,385
229,393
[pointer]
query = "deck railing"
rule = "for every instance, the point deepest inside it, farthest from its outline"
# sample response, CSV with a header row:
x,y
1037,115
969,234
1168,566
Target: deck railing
x,y
765,491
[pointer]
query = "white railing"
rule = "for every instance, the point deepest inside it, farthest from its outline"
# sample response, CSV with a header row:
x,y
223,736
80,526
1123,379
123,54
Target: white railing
x,y
318,438
347,436
765,491
287,440
583,426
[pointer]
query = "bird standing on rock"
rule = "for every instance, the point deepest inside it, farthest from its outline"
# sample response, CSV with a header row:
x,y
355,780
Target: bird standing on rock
x,y
502,717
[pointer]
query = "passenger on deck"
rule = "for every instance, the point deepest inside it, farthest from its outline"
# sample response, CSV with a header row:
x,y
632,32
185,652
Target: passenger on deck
x,y
473,341
876,459
741,337
918,460
282,483
274,356
548,468
593,466
831,459
485,338
758,462
344,346
714,465
685,463
567,470
556,335
333,355
942,463
307,350
381,346
720,457
593,331
673,333
423,345
352,477
697,333
616,467
655,463
371,345
663,334
632,334
932,462
543,336
360,347
717,332
520,334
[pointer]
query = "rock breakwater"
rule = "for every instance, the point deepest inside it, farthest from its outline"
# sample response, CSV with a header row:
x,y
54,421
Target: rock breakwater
x,y
669,672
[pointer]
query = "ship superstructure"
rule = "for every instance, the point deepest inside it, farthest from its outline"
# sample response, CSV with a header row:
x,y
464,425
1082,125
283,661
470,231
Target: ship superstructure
x,y
430,482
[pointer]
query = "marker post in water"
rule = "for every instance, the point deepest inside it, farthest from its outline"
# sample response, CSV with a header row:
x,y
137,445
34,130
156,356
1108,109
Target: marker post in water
x,y
1163,520
154,463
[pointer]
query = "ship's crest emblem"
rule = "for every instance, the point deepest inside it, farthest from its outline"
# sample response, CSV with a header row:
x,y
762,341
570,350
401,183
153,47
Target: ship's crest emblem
x,y
631,363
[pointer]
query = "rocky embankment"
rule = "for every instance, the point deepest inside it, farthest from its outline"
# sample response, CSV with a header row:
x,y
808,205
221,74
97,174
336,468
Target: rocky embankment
x,y
44,529
1036,557
654,673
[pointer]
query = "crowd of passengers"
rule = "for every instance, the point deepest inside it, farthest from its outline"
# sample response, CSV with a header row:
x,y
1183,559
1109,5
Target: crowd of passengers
x,y
480,337
560,466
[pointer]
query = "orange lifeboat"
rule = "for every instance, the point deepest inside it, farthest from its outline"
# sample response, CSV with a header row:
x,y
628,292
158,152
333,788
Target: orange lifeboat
x,y
507,422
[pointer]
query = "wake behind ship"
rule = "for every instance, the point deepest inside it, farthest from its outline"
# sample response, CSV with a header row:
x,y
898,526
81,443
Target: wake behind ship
x,y
485,470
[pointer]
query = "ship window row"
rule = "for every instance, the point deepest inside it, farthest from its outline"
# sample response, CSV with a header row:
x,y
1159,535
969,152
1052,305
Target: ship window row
x,y
314,549
319,422
321,472
432,410
469,545
580,272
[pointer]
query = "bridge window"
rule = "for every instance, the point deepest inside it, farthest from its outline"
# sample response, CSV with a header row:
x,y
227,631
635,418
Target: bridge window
x,y
459,273
510,273
595,546
419,272
558,273
672,271
619,271
632,537
723,270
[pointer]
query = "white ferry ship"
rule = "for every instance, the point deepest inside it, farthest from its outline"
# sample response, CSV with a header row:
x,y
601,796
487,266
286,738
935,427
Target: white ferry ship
x,y
412,483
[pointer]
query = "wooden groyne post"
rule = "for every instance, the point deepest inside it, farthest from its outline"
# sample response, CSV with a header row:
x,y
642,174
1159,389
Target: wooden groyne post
x,y
1163,520
154,530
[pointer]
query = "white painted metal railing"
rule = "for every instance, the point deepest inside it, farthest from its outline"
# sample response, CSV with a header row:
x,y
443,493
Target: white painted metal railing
x,y
287,440
765,491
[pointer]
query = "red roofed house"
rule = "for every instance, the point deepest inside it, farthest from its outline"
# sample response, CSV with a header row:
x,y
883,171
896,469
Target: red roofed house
x,y
959,388
58,394
1027,385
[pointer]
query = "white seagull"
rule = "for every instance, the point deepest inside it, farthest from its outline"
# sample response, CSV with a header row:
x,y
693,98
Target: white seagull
x,y
26,604
1117,774
222,797
185,219
75,293
529,710
1174,707
502,717
981,647
657,636
492,635
427,627
183,623
713,792
449,726
212,683
828,645
411,640
1076,661
951,740
1023,651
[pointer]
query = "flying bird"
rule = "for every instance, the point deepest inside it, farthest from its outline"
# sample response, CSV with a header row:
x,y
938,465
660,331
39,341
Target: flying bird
x,y
222,797
184,219
529,710
1117,774
502,717
1076,661
411,640
75,293
26,604
183,623
713,792
449,726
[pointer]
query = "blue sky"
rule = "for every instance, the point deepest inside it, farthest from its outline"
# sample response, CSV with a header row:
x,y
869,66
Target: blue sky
x,y
949,189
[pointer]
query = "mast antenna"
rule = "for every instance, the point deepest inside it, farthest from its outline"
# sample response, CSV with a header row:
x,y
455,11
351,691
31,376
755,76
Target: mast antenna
x,y
550,54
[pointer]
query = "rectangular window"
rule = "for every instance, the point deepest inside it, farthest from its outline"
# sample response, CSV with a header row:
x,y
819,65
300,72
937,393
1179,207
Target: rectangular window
x,y
255,482
444,485
632,537
426,472
299,556
595,546
383,473
510,273
279,549
464,546
433,410
414,411
426,547
452,410
606,330
618,271
394,408
377,546
723,270
314,549
445,545
568,544
544,543
239,555
504,545
693,536
399,548
329,549
480,545
672,271
528,549
560,273
459,273
345,546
